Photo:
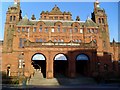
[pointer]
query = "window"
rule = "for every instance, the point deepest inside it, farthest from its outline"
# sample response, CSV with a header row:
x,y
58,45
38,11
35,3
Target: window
x,y
14,18
40,30
55,40
36,40
34,29
27,29
23,29
102,20
81,30
62,40
67,17
58,28
44,17
52,30
92,30
61,18
41,40
75,29
46,30
64,30
70,30
76,40
18,30
10,18
20,43
95,41
88,30
56,18
58,40
80,41
99,20
96,31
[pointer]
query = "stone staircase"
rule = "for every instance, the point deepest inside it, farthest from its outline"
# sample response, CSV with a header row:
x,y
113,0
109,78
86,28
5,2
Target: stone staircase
x,y
38,79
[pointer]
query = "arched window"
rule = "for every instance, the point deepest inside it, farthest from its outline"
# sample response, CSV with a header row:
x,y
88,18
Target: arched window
x,y
14,18
80,41
38,57
75,29
10,18
99,20
60,57
40,30
58,28
82,57
102,20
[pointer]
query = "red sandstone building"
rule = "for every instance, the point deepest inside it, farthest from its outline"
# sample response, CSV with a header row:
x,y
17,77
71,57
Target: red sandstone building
x,y
57,44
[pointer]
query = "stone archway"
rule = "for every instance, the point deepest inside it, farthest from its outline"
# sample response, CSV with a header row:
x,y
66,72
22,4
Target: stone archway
x,y
82,61
39,63
60,65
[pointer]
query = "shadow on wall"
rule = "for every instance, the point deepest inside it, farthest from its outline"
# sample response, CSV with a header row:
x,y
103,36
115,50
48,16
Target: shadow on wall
x,y
100,68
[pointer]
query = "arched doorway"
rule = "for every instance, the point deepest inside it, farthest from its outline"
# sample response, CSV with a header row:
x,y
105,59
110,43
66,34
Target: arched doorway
x,y
39,62
82,61
60,65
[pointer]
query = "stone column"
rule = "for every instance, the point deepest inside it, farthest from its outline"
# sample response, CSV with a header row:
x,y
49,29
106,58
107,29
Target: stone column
x,y
49,66
71,65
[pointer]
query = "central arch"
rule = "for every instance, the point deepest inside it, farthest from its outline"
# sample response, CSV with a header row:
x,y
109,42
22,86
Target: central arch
x,y
39,62
60,65
82,61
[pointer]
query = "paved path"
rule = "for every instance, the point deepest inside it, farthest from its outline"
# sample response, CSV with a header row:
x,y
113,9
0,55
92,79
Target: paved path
x,y
38,79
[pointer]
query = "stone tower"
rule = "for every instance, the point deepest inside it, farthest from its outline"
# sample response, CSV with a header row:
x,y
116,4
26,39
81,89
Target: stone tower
x,y
13,16
99,16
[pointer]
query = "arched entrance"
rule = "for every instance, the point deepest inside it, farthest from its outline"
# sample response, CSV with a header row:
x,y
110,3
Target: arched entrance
x,y
60,65
82,61
39,62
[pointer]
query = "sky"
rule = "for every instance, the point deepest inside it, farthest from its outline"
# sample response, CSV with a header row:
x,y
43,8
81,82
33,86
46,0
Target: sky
x,y
81,9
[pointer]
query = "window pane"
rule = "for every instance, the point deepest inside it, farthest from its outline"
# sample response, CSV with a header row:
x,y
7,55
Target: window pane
x,y
34,29
75,29
70,30
46,29
23,29
52,29
81,30
40,30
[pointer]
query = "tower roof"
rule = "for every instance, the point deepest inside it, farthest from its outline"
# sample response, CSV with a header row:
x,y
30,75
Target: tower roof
x,y
55,10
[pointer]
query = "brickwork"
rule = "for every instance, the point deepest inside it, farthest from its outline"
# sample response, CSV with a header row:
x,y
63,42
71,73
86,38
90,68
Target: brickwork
x,y
56,33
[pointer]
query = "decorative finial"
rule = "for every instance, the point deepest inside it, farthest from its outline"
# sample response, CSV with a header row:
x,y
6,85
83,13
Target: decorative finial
x,y
77,18
16,1
25,17
88,17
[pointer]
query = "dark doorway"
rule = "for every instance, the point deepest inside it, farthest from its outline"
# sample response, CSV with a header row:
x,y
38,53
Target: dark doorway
x,y
82,62
60,66
39,63
81,67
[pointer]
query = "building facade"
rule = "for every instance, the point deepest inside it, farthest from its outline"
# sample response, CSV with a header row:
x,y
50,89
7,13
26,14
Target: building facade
x,y
57,44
